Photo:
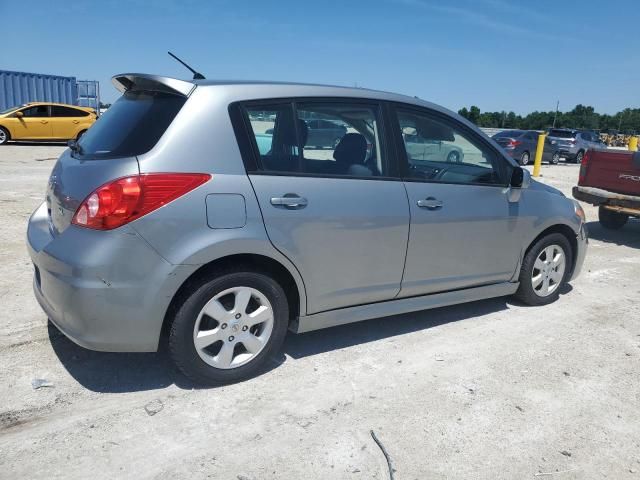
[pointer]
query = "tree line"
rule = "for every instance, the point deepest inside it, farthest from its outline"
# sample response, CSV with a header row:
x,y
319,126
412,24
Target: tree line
x,y
626,121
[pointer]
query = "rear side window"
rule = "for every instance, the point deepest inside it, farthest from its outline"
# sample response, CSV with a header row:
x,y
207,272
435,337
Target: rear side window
x,y
324,138
67,112
131,126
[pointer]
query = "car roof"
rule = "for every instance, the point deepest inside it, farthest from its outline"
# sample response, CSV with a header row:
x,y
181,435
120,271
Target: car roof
x,y
33,104
241,90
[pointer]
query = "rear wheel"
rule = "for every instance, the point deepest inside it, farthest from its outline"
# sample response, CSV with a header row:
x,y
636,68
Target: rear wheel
x,y
4,136
579,157
555,158
80,134
228,327
612,220
545,269
453,157
524,158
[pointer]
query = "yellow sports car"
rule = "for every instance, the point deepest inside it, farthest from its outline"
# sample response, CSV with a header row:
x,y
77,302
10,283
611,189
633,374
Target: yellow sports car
x,y
45,121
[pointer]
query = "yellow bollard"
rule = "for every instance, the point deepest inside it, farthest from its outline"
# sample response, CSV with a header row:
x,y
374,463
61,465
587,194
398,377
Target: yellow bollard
x,y
538,161
633,144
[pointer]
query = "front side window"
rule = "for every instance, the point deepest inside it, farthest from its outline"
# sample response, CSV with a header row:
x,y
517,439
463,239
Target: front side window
x,y
36,112
439,151
321,138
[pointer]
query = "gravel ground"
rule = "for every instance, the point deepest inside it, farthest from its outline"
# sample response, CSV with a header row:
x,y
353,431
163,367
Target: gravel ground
x,y
491,389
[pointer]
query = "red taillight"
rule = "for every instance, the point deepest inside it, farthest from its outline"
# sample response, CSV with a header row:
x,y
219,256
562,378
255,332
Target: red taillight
x,y
584,165
125,199
514,143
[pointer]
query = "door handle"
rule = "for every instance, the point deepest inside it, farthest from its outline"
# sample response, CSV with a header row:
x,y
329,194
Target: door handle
x,y
290,201
76,121
430,203
44,121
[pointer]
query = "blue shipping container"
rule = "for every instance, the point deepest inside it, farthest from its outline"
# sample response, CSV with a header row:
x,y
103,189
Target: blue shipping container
x,y
17,88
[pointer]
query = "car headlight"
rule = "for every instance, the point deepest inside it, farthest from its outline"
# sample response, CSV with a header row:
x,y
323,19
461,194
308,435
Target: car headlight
x,y
579,211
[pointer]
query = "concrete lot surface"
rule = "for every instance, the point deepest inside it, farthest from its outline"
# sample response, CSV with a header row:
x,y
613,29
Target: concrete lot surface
x,y
488,390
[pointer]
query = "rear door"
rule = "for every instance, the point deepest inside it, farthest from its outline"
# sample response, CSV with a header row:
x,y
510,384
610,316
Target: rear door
x,y
66,122
463,228
343,224
34,124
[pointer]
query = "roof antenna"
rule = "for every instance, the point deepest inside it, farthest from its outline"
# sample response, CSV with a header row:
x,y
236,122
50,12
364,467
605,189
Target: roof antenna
x,y
196,75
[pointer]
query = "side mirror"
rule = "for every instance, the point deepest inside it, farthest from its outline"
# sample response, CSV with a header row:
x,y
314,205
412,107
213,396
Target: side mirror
x,y
520,178
19,114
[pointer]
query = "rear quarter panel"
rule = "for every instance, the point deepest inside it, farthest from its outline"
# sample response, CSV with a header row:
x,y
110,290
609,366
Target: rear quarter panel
x,y
201,140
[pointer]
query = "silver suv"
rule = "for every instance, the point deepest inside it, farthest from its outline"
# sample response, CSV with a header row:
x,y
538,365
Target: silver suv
x,y
573,144
178,213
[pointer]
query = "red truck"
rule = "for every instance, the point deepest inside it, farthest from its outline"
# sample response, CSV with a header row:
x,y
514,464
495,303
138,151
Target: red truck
x,y
610,180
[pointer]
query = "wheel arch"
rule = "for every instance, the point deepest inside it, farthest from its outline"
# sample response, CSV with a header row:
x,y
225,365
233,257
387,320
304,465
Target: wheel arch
x,y
252,261
564,230
8,130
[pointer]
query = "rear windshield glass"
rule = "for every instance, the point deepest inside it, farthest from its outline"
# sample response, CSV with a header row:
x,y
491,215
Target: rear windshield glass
x,y
562,134
131,126
509,134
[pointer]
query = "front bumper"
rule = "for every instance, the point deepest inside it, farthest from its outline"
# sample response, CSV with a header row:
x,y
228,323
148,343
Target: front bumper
x,y
105,290
582,241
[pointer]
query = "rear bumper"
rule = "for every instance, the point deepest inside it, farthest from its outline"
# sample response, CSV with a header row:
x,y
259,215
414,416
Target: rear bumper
x,y
106,291
630,204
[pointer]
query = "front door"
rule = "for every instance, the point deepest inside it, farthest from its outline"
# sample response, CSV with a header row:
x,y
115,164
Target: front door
x,y
337,214
34,124
464,231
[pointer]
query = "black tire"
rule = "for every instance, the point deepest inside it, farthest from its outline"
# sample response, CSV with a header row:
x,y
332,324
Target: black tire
x,y
181,344
525,158
453,157
80,133
555,158
526,292
5,136
612,220
336,142
578,157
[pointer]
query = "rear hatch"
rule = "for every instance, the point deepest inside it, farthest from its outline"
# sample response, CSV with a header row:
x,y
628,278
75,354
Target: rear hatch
x,y
109,149
614,171
563,138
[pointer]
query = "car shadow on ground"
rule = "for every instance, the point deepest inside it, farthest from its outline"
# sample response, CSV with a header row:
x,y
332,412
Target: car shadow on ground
x,y
628,236
132,372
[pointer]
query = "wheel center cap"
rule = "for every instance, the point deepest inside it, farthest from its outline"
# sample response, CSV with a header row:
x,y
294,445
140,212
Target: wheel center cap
x,y
235,327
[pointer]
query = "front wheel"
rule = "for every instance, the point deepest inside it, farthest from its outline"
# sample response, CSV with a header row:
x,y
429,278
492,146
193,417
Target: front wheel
x,y
228,327
612,220
545,269
555,158
579,157
453,157
4,136
524,158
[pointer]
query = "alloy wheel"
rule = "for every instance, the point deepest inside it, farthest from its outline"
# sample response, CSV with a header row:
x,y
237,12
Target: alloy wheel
x,y
524,160
548,270
233,327
3,136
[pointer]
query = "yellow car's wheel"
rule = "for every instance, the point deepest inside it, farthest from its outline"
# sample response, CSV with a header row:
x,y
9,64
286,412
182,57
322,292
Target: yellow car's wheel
x,y
4,136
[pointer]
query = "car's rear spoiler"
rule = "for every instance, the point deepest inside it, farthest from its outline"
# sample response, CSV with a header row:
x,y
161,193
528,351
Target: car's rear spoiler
x,y
141,81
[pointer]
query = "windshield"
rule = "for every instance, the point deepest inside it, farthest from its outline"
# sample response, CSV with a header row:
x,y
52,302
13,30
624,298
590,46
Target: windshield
x,y
9,110
131,126
562,133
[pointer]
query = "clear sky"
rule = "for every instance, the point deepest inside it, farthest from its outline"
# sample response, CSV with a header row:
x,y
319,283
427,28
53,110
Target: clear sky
x,y
497,54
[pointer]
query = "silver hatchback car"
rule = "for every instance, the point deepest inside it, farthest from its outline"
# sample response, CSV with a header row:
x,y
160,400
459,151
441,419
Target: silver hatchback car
x,y
195,212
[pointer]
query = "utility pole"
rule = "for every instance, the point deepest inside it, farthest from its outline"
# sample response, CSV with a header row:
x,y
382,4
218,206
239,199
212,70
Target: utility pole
x,y
556,114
